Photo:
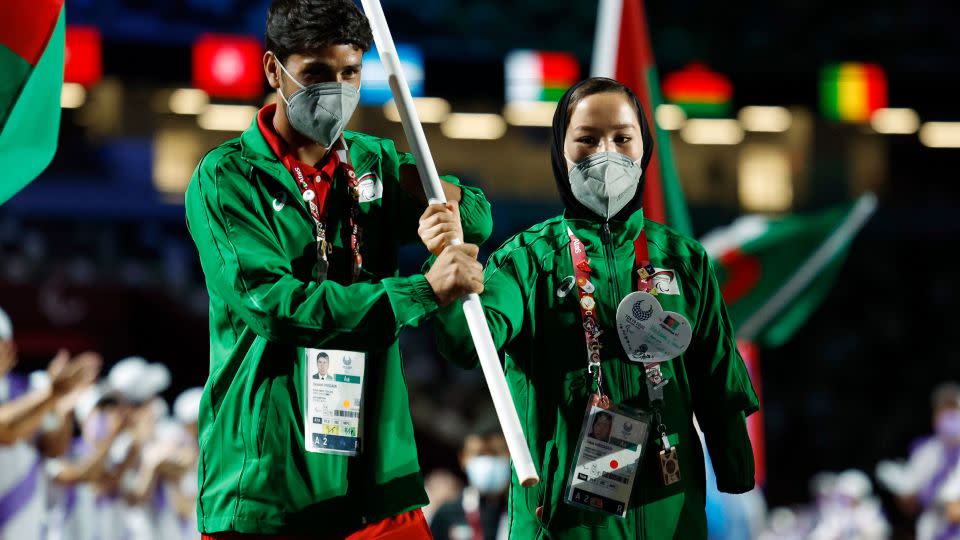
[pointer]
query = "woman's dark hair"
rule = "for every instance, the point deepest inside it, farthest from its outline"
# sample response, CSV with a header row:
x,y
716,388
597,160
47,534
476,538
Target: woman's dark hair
x,y
561,120
299,26
599,85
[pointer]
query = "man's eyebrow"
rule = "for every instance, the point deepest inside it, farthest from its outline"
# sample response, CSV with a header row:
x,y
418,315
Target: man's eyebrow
x,y
315,65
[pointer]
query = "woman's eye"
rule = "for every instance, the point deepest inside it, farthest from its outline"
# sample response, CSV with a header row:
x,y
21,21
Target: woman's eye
x,y
622,139
587,140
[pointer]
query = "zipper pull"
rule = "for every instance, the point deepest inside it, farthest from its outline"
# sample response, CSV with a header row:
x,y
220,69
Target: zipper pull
x,y
605,233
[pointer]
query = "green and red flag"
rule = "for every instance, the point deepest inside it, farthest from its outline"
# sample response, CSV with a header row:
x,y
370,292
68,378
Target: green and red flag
x,y
31,60
622,51
699,91
539,75
774,273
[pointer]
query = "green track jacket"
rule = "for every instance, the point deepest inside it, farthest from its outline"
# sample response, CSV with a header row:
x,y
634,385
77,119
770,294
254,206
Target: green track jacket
x,y
546,371
257,247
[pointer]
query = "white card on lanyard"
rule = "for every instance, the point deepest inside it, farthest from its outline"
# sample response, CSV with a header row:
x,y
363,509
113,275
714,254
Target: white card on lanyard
x,y
648,333
333,382
609,451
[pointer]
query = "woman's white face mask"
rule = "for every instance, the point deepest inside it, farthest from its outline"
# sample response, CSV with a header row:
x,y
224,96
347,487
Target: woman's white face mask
x,y
605,182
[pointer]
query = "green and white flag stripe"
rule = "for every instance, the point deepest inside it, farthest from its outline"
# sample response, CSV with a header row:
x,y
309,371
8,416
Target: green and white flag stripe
x,y
32,36
774,273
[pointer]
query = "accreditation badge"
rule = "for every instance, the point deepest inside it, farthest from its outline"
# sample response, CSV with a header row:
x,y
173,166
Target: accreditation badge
x,y
334,399
608,455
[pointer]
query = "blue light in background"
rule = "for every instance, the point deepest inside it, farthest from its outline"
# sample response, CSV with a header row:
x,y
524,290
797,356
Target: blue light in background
x,y
376,90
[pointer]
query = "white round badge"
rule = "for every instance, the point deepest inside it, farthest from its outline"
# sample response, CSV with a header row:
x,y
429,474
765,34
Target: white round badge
x,y
648,333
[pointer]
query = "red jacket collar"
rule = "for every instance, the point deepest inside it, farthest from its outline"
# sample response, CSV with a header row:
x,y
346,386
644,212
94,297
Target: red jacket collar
x,y
280,148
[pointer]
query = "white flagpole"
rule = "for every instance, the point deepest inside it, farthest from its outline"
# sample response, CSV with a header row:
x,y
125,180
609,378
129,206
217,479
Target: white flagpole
x,y
606,38
482,340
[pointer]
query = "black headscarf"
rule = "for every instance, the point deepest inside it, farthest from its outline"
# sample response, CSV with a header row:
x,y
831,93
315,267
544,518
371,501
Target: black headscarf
x,y
574,207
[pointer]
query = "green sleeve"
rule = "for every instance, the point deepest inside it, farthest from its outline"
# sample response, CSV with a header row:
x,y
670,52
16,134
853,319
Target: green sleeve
x,y
475,216
504,298
722,392
245,265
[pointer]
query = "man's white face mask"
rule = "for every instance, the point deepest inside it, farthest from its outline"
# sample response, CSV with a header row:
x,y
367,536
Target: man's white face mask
x,y
320,111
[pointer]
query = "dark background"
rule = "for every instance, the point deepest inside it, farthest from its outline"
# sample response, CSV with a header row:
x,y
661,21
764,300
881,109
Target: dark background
x,y
90,259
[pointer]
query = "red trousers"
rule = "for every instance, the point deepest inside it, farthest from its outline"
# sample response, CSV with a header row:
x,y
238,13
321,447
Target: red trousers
x,y
409,526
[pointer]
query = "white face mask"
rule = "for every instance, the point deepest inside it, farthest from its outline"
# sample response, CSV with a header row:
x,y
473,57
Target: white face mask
x,y
320,111
605,182
488,474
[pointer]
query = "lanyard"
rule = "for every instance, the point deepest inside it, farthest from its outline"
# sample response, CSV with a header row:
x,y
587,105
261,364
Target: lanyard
x,y
476,525
645,274
315,192
641,262
585,289
591,330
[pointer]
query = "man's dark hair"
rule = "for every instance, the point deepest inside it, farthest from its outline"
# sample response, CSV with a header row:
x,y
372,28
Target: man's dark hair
x,y
300,26
323,355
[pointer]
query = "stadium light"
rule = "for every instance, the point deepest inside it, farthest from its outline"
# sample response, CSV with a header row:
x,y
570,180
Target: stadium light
x,y
227,117
483,126
895,121
431,110
712,131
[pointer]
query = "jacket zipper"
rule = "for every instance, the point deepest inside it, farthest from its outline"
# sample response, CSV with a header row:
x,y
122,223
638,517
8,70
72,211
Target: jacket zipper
x,y
610,255
606,238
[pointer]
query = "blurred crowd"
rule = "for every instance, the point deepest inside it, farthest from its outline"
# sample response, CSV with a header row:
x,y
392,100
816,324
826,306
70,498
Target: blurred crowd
x,y
924,489
88,455
845,505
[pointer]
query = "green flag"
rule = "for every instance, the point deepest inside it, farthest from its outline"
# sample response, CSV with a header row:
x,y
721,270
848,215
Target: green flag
x,y
774,273
31,60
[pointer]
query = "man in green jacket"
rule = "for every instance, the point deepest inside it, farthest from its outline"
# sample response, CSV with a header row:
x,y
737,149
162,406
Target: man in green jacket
x,y
536,307
298,223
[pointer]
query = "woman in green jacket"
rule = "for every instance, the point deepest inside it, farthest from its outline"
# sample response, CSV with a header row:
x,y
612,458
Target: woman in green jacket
x,y
551,297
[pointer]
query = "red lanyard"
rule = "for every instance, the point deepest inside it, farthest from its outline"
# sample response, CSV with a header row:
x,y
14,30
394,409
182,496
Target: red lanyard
x,y
473,519
641,263
315,192
588,304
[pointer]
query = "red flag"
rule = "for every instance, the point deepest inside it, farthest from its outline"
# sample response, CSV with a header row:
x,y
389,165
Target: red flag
x,y
751,358
622,51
